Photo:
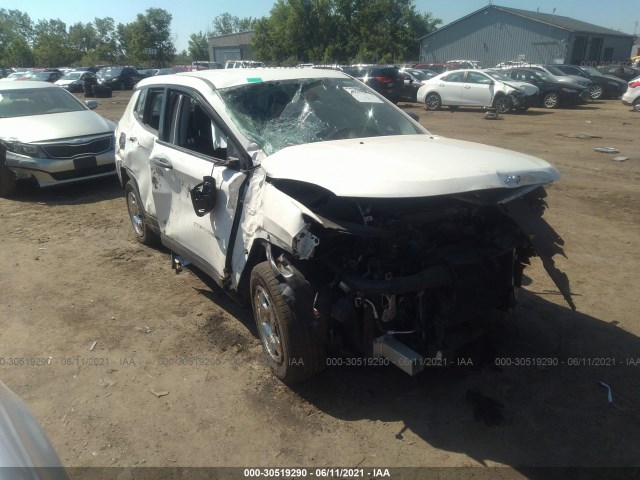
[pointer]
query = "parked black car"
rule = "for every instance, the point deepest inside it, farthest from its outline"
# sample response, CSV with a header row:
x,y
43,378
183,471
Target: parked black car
x,y
412,79
119,78
624,72
602,85
383,79
552,94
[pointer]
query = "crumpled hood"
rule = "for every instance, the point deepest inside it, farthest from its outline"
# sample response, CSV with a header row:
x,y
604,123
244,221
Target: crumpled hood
x,y
527,88
54,126
406,166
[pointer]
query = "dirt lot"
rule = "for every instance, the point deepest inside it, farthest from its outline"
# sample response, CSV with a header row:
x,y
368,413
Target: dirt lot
x,y
72,274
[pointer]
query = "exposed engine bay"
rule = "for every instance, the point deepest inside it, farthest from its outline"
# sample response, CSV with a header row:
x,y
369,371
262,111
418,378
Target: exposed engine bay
x,y
375,271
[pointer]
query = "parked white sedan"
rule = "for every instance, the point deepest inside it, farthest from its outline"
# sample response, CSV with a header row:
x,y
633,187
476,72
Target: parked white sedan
x,y
475,88
632,95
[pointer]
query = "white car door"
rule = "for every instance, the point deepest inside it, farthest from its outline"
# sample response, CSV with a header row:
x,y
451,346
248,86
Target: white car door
x,y
140,140
477,89
449,87
196,148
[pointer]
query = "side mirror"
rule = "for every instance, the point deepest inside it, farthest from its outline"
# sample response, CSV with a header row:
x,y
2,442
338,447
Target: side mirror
x,y
92,104
203,196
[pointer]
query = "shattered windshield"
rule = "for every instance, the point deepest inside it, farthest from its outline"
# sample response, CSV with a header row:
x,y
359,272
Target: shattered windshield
x,y
279,114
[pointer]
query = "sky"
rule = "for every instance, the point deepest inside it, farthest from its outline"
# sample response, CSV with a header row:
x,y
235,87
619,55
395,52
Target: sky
x,y
190,16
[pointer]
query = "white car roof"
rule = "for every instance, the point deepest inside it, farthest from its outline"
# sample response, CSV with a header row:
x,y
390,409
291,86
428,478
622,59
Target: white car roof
x,y
224,78
20,84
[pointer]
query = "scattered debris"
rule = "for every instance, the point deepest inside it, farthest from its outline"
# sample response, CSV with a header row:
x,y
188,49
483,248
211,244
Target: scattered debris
x,y
609,395
621,159
159,393
93,345
492,115
144,329
606,150
581,135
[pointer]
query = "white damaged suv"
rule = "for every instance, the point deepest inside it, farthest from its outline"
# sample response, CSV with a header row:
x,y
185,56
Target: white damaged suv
x,y
336,216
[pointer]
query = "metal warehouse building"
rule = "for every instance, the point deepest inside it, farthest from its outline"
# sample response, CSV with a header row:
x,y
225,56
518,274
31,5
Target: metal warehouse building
x,y
234,46
497,34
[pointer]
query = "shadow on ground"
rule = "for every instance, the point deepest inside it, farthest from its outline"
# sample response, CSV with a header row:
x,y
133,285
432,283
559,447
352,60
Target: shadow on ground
x,y
85,192
552,416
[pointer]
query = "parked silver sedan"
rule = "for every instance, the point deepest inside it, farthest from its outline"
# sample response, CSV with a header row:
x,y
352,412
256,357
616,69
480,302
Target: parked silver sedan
x,y
49,135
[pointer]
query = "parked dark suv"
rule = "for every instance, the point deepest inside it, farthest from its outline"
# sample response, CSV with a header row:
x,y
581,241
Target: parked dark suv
x,y
383,79
119,78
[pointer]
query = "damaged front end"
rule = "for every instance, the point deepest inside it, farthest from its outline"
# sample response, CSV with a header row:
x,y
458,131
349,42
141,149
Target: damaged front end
x,y
411,278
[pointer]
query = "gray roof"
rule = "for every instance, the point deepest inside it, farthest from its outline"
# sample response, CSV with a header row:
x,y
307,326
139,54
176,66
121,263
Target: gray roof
x,y
565,23
558,21
231,39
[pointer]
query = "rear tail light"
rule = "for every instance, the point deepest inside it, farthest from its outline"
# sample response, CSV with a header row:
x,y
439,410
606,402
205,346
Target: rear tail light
x,y
634,84
384,79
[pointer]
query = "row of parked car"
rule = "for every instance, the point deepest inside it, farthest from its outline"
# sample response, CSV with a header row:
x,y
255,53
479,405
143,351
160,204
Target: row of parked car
x,y
507,89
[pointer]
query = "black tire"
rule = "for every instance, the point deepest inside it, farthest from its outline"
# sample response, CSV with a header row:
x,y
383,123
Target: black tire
x,y
503,104
432,101
595,92
550,100
138,217
636,104
294,352
7,177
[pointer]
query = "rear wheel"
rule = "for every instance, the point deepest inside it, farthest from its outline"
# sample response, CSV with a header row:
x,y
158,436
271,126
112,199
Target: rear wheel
x,y
636,104
137,216
550,100
595,92
433,101
294,353
503,104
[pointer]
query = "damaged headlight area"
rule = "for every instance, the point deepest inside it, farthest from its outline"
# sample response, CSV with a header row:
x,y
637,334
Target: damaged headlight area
x,y
399,278
23,148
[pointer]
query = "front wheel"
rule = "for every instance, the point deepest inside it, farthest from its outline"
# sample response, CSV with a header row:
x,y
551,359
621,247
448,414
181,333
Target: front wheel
x,y
595,92
503,104
550,100
294,353
433,101
137,216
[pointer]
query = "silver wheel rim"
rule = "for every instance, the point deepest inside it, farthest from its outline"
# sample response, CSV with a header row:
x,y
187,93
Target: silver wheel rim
x,y
264,311
636,106
432,102
502,105
135,214
550,101
596,92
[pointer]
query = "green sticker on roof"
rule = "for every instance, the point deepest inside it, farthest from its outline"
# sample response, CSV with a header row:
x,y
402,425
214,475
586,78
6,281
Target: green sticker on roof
x,y
254,80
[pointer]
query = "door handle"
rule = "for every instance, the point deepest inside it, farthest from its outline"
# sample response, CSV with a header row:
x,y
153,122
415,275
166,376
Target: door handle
x,y
162,163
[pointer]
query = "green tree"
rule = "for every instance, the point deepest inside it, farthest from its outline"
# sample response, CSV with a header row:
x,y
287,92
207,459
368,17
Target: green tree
x,y
51,45
18,53
13,25
198,46
341,31
82,38
151,30
225,23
